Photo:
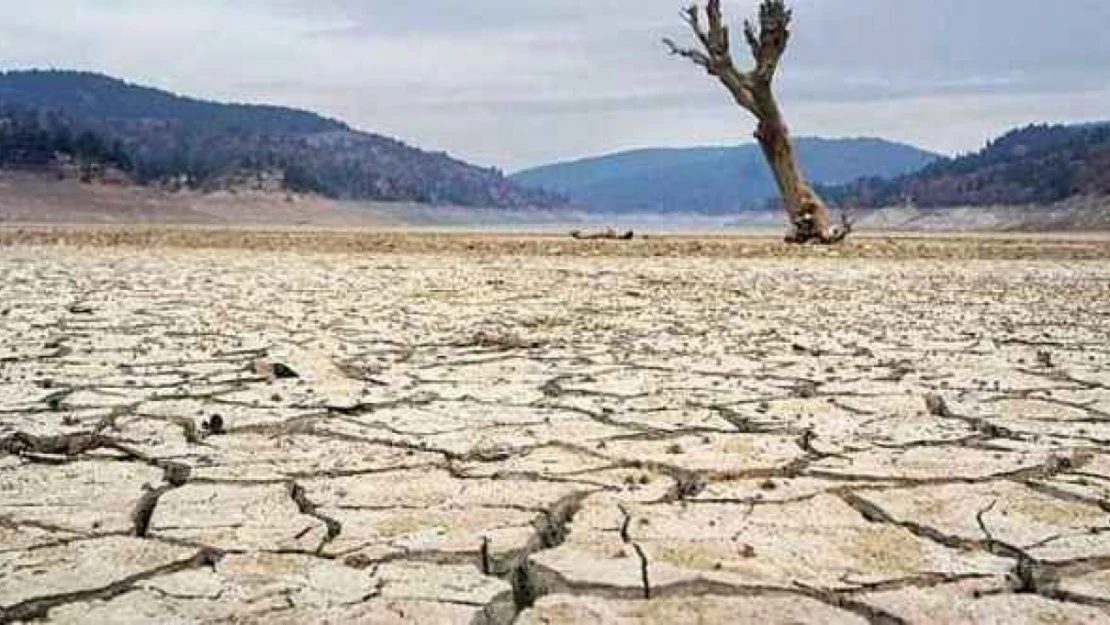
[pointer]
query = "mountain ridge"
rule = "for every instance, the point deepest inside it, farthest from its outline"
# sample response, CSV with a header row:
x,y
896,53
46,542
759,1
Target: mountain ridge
x,y
46,88
712,179
168,137
1035,165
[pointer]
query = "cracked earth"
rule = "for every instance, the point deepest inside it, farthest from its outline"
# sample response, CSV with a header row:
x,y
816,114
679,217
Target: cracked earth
x,y
196,436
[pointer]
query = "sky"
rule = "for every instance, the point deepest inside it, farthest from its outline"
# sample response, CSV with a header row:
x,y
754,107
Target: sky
x,y
516,83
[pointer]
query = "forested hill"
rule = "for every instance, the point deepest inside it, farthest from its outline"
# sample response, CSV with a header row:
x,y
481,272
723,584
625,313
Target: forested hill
x,y
160,136
29,139
1039,164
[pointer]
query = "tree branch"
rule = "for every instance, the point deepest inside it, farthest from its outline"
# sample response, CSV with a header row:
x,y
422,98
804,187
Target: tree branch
x,y
740,85
715,55
697,57
690,15
769,44
718,43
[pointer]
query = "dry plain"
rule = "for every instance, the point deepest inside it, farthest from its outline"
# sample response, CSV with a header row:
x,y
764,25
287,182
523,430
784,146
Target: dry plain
x,y
221,425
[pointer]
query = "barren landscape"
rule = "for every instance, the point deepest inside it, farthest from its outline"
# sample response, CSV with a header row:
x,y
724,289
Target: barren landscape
x,y
287,426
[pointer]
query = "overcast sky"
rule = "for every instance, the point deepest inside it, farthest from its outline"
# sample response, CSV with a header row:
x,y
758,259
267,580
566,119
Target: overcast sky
x,y
514,83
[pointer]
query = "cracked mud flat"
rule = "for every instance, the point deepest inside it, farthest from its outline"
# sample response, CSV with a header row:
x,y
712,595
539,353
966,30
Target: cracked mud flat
x,y
483,438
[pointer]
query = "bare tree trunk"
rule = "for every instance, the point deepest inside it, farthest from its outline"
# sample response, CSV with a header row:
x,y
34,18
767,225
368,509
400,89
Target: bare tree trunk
x,y
808,214
753,91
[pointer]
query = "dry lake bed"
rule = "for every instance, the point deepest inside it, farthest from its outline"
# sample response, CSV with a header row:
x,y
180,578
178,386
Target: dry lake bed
x,y
220,426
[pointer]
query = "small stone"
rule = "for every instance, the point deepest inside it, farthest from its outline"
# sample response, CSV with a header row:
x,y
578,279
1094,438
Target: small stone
x,y
274,370
806,390
176,474
54,401
215,425
359,561
936,406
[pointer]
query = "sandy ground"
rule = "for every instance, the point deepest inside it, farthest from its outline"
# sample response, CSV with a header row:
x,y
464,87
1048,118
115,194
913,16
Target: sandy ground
x,y
197,427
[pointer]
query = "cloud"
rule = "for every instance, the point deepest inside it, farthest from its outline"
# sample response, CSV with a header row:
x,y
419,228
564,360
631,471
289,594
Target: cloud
x,y
514,83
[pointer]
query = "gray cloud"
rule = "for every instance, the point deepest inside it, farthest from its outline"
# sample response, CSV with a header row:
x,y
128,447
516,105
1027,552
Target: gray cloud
x,y
514,83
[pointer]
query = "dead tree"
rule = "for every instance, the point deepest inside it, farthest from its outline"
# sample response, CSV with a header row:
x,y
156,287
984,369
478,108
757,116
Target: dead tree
x,y
753,91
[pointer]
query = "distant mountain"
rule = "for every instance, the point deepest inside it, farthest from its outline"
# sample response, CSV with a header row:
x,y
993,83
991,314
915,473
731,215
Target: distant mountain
x,y
1035,165
713,180
164,137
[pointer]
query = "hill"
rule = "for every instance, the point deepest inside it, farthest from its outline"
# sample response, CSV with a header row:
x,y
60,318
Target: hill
x,y
713,180
1035,165
169,139
27,141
